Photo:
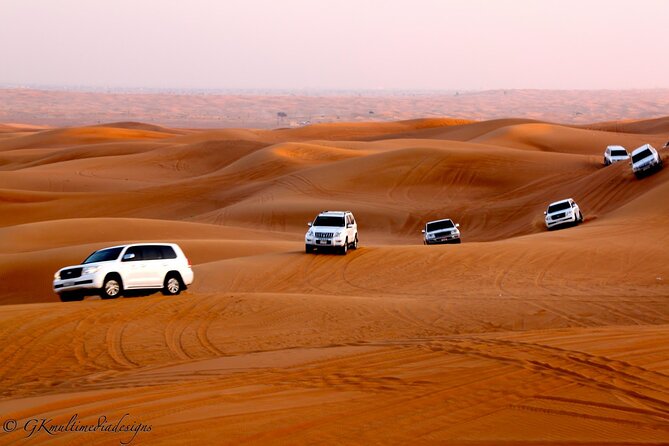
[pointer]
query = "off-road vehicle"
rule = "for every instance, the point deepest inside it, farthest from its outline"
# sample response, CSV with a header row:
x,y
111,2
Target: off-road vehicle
x,y
111,271
562,213
645,160
332,229
441,231
613,154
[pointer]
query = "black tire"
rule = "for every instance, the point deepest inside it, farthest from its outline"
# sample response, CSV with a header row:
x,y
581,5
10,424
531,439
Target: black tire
x,y
112,287
308,249
355,243
71,296
457,242
172,285
580,217
344,249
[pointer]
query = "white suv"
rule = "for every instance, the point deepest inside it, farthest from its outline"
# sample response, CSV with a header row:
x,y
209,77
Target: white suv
x,y
110,271
645,159
332,229
613,154
563,212
441,231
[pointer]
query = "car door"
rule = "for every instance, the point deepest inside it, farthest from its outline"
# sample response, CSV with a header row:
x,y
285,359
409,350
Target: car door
x,y
132,271
351,231
154,271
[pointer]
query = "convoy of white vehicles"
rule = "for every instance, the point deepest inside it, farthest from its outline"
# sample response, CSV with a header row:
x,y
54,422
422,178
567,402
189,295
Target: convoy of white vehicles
x,y
112,271
644,159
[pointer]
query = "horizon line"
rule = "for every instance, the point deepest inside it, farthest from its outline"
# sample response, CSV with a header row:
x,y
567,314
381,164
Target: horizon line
x,y
286,91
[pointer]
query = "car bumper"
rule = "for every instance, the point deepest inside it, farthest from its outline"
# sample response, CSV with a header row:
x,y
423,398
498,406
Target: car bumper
x,y
86,282
324,243
455,238
188,277
443,241
645,167
561,221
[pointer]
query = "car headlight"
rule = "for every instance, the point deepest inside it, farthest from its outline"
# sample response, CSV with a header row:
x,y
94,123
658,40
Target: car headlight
x,y
337,234
310,233
430,236
56,276
90,270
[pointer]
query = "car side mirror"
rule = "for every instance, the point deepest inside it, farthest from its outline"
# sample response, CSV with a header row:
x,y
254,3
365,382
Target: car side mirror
x,y
350,225
129,256
423,231
457,225
545,213
309,224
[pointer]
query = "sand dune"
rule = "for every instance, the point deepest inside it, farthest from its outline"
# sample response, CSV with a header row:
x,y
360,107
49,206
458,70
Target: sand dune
x,y
645,126
516,336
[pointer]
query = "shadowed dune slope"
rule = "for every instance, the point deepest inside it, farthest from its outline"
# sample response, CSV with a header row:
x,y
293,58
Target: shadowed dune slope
x,y
517,336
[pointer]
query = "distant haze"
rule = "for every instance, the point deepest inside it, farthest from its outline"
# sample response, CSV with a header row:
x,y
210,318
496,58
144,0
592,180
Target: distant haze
x,y
343,44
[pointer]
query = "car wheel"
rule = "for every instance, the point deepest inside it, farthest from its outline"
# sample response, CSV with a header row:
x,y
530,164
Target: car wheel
x,y
344,249
308,249
355,243
580,217
112,287
458,241
71,296
172,285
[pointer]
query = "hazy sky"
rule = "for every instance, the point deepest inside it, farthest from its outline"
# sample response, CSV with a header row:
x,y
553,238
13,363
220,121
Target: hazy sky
x,y
338,44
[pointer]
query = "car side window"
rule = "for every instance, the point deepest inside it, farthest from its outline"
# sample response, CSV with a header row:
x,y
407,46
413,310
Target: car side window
x,y
152,252
168,252
136,252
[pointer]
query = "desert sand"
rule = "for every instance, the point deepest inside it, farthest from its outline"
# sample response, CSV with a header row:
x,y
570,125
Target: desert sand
x,y
262,109
518,336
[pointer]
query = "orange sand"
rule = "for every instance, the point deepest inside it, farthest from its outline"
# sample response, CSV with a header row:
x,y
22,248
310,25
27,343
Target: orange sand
x,y
517,336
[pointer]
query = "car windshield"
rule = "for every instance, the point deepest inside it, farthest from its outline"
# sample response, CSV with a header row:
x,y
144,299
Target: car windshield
x,y
103,255
437,225
323,220
641,155
558,207
618,152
